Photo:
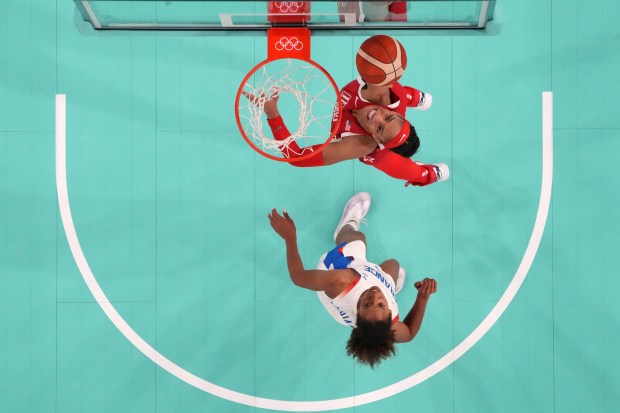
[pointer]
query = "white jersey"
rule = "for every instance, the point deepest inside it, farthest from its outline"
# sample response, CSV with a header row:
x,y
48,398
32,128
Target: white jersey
x,y
343,308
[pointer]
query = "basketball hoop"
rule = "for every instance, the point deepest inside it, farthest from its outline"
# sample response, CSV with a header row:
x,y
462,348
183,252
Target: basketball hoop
x,y
307,92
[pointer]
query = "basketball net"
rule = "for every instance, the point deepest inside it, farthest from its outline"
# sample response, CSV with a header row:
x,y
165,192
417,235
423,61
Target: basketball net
x,y
293,78
308,98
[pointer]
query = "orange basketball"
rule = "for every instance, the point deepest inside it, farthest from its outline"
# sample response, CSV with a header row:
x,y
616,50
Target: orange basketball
x,y
381,60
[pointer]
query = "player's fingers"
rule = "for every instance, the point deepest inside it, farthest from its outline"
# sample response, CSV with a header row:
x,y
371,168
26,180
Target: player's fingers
x,y
272,221
417,284
428,287
249,96
286,215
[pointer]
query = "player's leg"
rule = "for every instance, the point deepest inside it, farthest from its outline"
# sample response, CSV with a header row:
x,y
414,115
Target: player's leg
x,y
348,234
354,211
350,242
391,267
398,274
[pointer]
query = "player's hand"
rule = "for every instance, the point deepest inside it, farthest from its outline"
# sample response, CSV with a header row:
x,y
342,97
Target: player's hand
x,y
426,287
412,183
270,106
283,225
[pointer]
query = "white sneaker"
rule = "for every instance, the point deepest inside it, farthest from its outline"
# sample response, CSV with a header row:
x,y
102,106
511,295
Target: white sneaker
x,y
442,171
402,274
426,100
354,211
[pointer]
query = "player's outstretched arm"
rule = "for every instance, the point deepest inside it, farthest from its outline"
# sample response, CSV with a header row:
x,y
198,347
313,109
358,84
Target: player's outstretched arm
x,y
352,147
316,280
410,326
399,167
270,107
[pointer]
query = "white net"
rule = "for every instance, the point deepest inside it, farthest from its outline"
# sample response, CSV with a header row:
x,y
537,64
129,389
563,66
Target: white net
x,y
306,102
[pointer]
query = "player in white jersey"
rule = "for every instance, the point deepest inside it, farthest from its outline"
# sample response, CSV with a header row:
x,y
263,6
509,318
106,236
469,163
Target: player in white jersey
x,y
355,292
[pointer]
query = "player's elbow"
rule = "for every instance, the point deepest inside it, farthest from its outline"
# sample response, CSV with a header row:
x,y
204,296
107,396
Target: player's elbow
x,y
297,278
330,156
328,161
405,334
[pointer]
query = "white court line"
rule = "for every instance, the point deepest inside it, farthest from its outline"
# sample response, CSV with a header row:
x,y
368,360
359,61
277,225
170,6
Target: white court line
x,y
319,405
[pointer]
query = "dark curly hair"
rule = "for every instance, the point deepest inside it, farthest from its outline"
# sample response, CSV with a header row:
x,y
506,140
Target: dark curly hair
x,y
371,341
410,146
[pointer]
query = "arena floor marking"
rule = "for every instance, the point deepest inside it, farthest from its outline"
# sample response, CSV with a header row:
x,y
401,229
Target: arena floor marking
x,y
319,405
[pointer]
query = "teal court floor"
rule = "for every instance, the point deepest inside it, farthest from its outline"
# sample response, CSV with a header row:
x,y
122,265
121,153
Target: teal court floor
x,y
170,207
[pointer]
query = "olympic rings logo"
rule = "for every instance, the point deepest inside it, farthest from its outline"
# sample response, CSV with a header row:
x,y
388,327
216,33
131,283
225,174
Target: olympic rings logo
x,y
289,44
289,6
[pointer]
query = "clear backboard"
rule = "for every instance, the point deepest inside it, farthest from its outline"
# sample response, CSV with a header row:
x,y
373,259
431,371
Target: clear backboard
x,y
259,15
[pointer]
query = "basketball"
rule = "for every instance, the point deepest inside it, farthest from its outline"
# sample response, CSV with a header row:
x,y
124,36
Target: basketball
x,y
381,60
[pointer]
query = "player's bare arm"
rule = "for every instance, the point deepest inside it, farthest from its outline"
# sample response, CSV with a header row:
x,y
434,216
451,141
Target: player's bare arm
x,y
353,147
271,105
405,331
330,281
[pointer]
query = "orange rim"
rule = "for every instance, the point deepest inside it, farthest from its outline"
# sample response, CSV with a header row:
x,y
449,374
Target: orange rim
x,y
284,159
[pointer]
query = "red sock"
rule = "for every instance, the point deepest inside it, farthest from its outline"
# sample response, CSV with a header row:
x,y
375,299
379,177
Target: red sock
x,y
292,150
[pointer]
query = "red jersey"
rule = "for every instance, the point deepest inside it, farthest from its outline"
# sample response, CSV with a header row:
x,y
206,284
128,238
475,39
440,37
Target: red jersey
x,y
385,160
397,166
401,97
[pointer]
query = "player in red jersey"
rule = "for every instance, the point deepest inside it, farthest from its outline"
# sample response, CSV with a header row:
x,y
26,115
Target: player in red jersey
x,y
373,129
390,156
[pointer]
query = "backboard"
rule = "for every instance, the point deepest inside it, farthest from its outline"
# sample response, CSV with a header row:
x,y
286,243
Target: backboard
x,y
255,15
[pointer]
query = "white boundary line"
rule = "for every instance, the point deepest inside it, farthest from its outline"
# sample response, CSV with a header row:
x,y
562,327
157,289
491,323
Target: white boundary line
x,y
319,405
